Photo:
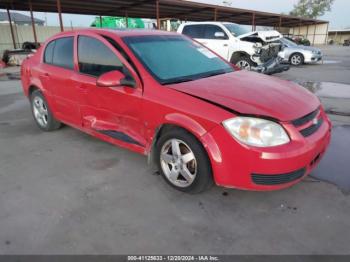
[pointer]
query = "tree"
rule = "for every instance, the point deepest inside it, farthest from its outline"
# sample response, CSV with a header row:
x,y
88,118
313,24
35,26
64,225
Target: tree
x,y
311,8
227,2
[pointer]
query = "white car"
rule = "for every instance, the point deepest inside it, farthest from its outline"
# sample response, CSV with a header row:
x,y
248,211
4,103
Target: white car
x,y
299,54
235,43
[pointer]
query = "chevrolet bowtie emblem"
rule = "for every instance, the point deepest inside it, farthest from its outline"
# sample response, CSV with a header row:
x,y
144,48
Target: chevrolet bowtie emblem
x,y
315,121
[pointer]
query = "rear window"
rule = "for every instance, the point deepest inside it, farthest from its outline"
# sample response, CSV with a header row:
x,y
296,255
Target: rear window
x,y
48,56
194,31
62,52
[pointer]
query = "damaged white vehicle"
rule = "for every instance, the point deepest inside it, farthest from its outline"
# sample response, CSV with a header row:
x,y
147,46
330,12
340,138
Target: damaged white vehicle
x,y
256,50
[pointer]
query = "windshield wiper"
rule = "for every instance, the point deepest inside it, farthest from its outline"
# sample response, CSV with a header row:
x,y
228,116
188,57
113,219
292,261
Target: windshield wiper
x,y
214,74
180,80
187,79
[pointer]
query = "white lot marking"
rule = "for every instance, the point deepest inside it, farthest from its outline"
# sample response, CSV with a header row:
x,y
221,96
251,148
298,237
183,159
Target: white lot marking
x,y
331,62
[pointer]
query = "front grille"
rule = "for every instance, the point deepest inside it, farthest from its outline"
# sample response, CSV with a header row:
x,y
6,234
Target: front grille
x,y
303,120
308,121
269,52
312,129
269,180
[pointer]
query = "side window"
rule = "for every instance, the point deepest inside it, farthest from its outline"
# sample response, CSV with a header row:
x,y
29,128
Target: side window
x,y
194,31
48,55
210,31
95,58
125,55
63,52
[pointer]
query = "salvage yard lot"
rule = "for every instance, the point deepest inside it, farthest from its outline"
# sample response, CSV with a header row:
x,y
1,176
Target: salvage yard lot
x,y
68,193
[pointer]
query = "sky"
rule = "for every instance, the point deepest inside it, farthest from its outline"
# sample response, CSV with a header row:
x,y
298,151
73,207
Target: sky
x,y
339,17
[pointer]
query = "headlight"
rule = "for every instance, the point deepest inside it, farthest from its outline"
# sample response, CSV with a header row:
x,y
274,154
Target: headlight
x,y
257,48
315,52
256,131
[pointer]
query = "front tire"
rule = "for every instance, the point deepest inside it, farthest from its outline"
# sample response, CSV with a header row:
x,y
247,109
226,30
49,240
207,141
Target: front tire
x,y
183,162
243,62
296,59
42,113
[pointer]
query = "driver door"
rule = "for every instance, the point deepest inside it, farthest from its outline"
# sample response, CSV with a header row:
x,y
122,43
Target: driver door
x,y
111,111
217,40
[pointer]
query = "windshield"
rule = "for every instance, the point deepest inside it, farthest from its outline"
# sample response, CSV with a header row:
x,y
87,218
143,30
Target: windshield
x,y
175,59
236,30
288,42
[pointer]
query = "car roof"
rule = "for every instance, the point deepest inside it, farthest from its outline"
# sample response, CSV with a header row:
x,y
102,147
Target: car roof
x,y
207,22
117,32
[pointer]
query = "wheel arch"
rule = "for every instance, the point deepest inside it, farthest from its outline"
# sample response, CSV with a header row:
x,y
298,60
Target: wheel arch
x,y
176,121
31,89
237,55
296,53
34,84
207,141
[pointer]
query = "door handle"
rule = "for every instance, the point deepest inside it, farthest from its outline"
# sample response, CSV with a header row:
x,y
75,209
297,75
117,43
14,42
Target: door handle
x,y
225,44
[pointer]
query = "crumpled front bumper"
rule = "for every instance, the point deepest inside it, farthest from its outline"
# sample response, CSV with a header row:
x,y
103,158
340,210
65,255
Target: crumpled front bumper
x,y
272,66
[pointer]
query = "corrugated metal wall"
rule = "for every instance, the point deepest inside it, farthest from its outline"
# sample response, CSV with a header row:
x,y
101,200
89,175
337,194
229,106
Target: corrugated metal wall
x,y
339,38
23,34
317,35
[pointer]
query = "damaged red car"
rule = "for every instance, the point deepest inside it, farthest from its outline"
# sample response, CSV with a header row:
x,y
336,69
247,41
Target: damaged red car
x,y
168,97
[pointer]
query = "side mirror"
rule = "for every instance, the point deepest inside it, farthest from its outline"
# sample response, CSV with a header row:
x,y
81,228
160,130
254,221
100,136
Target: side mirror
x,y
114,79
220,35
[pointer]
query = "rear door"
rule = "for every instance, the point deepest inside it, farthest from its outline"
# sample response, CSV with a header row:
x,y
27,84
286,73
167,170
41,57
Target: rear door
x,y
208,35
58,75
114,111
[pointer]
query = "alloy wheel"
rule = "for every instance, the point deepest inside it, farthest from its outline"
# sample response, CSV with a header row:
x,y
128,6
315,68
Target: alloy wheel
x,y
243,64
40,111
178,163
296,60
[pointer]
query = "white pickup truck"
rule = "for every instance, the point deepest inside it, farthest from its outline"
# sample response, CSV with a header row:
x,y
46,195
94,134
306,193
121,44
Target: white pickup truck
x,y
235,43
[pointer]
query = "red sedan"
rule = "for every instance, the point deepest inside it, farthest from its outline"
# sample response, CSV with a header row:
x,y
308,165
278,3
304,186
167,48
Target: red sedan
x,y
166,96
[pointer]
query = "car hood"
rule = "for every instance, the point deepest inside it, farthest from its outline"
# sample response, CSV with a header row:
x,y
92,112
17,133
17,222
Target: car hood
x,y
266,36
253,94
309,48
301,48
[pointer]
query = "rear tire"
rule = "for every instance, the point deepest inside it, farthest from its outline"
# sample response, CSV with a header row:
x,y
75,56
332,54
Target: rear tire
x,y
42,113
183,161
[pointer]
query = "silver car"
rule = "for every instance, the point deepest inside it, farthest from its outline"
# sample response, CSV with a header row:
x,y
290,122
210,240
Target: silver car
x,y
299,54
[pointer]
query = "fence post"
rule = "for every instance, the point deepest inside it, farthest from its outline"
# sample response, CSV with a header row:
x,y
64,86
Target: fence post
x,y
33,22
11,28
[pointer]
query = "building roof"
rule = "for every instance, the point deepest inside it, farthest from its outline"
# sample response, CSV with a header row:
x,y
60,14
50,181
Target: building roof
x,y
180,9
18,18
339,31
